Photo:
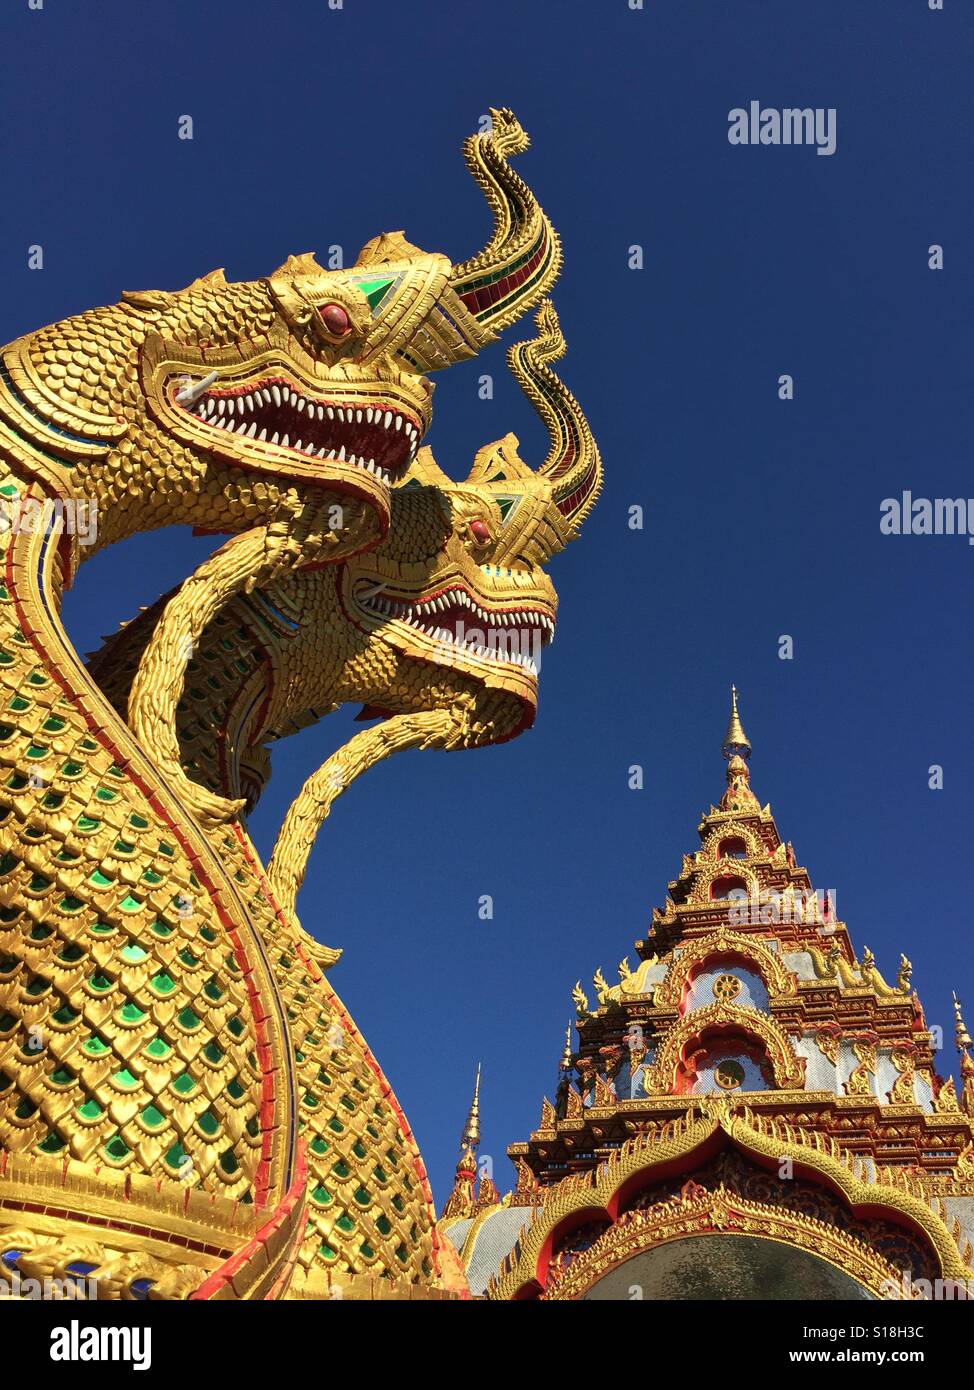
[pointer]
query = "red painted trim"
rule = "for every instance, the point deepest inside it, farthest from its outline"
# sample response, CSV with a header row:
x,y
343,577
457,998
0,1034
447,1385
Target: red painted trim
x,y
247,1254
419,1167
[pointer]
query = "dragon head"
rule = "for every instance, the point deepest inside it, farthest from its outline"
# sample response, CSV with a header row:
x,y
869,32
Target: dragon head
x,y
226,404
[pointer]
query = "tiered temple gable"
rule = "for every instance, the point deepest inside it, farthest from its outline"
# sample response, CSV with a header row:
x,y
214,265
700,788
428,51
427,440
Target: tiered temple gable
x,y
748,1073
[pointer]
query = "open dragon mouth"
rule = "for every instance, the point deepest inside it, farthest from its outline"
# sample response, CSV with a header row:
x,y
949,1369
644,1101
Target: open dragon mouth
x,y
378,437
455,617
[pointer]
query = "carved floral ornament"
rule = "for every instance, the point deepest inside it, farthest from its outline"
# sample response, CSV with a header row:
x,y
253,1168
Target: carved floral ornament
x,y
723,1213
788,1068
718,946
733,830
723,868
604,1192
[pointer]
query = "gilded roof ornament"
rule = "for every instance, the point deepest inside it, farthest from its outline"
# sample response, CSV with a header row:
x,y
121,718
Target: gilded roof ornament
x,y
736,740
471,1130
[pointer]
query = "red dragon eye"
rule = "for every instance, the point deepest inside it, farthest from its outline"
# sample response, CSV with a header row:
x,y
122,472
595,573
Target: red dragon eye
x,y
335,319
480,531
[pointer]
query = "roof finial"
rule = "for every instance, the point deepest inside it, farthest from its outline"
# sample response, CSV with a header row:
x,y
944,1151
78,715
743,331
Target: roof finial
x,y
736,740
471,1130
566,1056
961,1036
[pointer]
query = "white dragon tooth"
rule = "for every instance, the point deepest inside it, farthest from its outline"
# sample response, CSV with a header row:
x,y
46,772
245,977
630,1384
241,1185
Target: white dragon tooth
x,y
369,415
320,411
285,441
187,394
387,419
309,449
341,453
320,454
275,438
262,436
358,417
341,413
298,443
276,393
398,422
311,410
265,395
252,429
301,403
221,405
285,393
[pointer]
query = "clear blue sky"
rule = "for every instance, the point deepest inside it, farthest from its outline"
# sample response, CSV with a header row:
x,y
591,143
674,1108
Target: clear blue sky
x,y
762,517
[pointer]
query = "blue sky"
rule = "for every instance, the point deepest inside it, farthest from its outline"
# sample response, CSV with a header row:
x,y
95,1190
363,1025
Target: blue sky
x,y
315,127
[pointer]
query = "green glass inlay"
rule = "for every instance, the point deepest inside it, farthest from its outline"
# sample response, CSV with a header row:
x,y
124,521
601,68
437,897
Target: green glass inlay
x,y
176,1156
375,290
184,1084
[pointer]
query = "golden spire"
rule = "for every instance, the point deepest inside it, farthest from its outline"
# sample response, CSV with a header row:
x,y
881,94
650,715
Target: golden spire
x,y
566,1056
735,739
471,1130
961,1035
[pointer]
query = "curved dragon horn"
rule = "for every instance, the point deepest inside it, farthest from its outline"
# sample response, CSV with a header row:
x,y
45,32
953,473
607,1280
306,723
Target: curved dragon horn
x,y
523,257
573,465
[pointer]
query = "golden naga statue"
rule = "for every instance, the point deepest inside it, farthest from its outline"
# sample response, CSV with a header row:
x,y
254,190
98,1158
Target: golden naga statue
x,y
187,1110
